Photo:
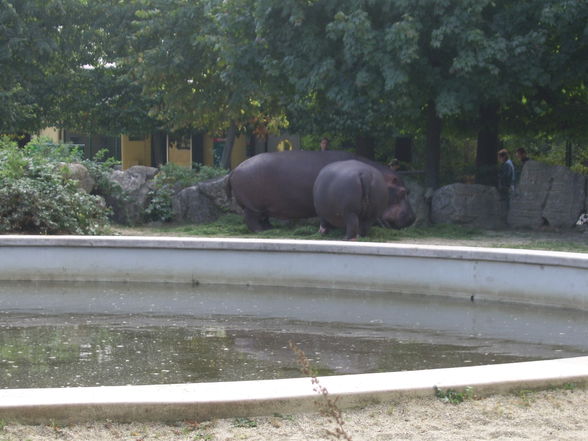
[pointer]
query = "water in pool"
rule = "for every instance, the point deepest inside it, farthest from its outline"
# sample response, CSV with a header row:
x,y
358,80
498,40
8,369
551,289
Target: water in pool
x,y
68,334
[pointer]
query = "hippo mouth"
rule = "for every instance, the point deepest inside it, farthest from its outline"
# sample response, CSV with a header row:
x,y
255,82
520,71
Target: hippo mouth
x,y
394,224
384,223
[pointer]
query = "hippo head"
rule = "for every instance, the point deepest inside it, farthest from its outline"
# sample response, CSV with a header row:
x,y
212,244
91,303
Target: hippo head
x,y
399,213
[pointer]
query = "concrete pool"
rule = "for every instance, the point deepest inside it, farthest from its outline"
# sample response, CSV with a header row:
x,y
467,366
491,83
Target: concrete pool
x,y
349,273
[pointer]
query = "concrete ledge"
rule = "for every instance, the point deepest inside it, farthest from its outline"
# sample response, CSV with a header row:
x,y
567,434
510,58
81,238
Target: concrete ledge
x,y
251,398
537,277
545,278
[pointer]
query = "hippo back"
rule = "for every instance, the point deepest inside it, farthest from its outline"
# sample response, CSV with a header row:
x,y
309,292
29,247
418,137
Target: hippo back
x,y
350,187
279,184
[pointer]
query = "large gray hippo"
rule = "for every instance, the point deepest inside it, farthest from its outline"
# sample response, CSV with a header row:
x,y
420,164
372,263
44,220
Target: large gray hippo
x,y
280,185
351,195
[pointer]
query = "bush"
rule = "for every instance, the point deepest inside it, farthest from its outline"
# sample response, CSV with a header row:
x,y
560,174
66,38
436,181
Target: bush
x,y
36,196
171,179
100,168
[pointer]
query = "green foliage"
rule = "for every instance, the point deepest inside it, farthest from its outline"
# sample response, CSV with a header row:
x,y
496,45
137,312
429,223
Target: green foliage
x,y
28,46
100,169
455,397
36,196
42,147
197,60
344,68
244,422
171,179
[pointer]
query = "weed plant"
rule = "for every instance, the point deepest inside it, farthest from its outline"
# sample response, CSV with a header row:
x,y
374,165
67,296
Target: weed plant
x,y
453,396
327,405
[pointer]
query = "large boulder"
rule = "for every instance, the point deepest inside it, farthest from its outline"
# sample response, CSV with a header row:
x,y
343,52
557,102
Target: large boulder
x,y
468,204
79,173
203,203
128,204
547,195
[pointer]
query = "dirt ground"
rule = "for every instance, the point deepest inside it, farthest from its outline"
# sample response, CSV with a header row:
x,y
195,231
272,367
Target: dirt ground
x,y
557,415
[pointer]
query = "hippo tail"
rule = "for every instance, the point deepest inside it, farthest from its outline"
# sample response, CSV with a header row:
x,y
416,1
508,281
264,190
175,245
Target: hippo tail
x,y
228,188
364,182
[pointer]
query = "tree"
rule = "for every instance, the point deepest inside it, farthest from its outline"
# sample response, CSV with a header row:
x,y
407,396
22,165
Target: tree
x,y
360,66
557,106
323,58
198,60
68,73
28,43
95,92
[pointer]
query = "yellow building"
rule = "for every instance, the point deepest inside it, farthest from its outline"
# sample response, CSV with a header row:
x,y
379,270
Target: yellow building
x,y
161,148
155,149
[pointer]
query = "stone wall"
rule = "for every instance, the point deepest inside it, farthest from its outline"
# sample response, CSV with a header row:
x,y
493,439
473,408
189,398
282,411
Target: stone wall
x,y
468,204
547,195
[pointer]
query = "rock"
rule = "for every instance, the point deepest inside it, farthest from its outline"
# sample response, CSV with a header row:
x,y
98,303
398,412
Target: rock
x,y
191,205
129,204
215,190
547,195
203,203
468,204
79,173
418,201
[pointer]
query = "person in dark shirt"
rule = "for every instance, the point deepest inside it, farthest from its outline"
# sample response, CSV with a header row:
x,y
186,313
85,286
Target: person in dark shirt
x,y
521,154
506,177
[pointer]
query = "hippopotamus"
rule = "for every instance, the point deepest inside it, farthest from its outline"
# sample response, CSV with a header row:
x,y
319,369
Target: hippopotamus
x,y
350,194
280,185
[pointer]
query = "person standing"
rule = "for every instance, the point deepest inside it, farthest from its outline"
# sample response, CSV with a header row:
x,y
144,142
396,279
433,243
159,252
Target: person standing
x,y
506,177
521,154
325,144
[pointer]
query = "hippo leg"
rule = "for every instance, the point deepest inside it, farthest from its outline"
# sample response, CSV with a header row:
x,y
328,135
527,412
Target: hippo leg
x,y
324,226
255,222
351,226
364,228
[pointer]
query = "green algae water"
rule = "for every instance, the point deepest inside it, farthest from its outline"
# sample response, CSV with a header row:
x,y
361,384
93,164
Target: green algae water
x,y
69,334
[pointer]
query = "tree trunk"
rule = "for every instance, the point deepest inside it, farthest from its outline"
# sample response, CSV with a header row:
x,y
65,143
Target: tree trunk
x,y
488,145
433,153
228,149
364,146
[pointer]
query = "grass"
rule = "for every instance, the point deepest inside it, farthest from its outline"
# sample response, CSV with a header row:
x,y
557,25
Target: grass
x,y
232,225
